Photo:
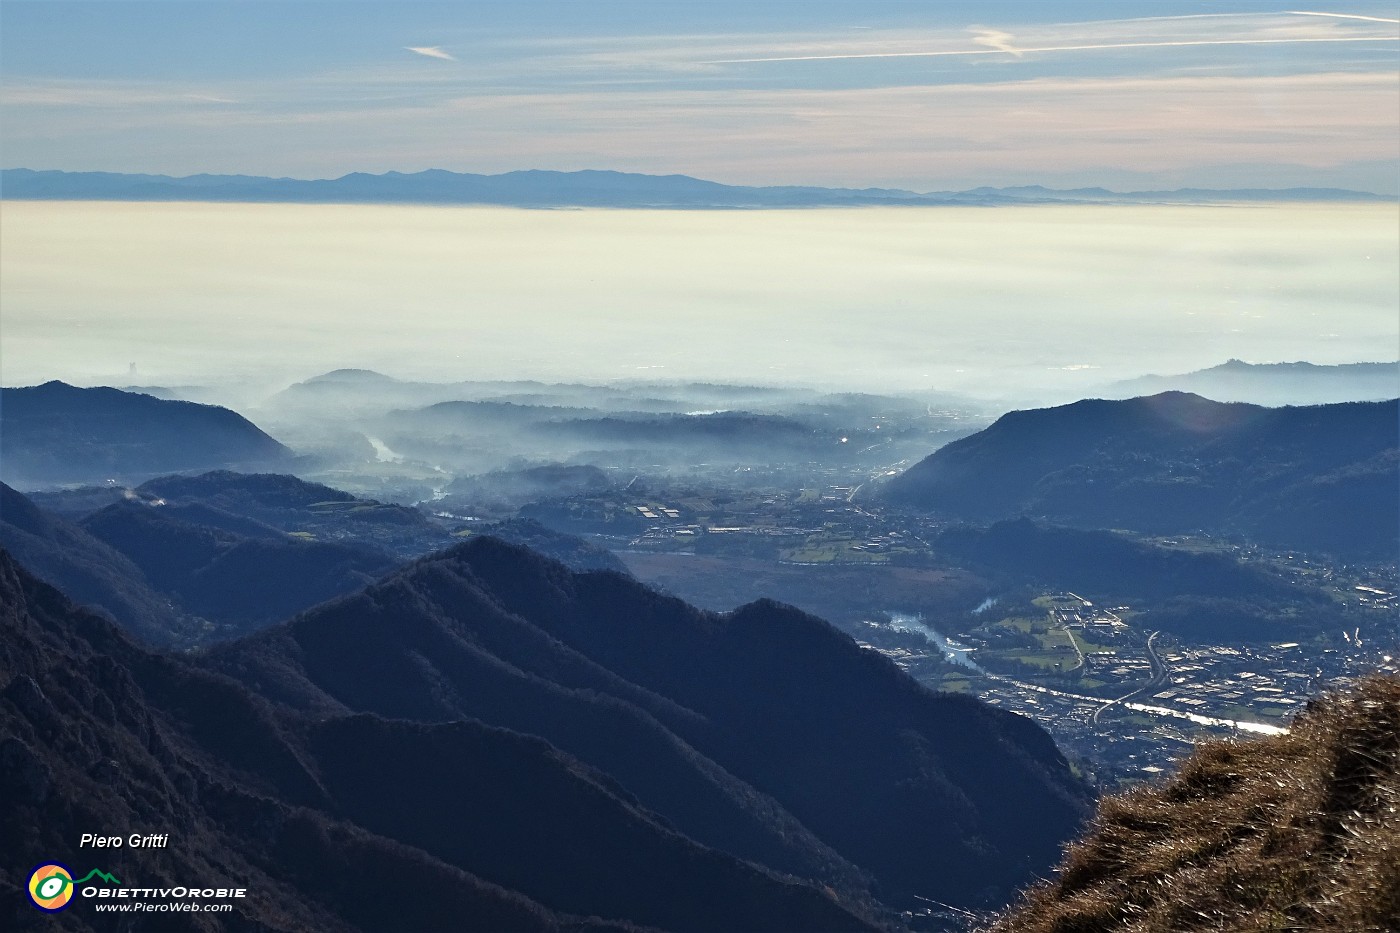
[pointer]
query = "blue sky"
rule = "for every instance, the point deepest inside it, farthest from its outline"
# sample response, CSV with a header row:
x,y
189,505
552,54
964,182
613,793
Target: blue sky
x,y
916,94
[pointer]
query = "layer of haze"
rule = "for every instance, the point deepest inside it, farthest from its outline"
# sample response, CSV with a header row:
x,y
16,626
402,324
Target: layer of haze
x,y
1026,301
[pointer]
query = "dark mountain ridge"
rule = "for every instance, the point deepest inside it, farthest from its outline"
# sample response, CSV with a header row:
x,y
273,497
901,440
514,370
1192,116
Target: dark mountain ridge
x,y
243,581
296,506
1317,478
56,433
545,744
181,573
100,733
192,560
764,732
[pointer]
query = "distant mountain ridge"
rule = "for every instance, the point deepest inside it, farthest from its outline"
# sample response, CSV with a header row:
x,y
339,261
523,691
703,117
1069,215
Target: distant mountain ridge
x,y
588,188
1274,384
1323,477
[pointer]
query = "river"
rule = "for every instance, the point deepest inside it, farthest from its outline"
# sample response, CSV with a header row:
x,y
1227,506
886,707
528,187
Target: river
x,y
960,655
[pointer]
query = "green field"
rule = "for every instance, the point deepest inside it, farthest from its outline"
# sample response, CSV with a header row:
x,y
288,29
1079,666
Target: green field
x,y
1062,660
955,683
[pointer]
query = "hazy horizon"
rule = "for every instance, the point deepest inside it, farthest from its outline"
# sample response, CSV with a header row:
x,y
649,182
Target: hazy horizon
x,y
1005,301
1036,302
943,96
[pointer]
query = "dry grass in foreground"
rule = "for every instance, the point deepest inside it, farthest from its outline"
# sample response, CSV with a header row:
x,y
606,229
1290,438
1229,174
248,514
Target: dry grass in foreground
x,y
1294,832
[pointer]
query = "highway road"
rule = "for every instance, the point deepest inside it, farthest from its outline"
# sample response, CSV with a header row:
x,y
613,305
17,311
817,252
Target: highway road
x,y
1159,677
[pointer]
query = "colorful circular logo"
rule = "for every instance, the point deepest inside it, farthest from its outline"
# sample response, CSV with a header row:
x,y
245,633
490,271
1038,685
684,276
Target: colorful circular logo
x,y
51,887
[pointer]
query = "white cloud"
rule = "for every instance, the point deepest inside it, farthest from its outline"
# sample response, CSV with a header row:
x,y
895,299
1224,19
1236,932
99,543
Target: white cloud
x,y
996,39
431,51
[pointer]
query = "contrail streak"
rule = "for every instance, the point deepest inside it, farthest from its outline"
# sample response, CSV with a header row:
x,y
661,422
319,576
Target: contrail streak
x,y
1369,19
1048,48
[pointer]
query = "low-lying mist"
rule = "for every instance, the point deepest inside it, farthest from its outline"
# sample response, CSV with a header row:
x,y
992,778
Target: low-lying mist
x,y
1029,303
507,443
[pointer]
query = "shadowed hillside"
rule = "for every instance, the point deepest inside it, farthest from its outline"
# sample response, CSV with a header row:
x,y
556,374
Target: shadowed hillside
x,y
240,581
89,571
544,745
1197,596
177,575
764,732
57,433
1295,832
297,506
322,818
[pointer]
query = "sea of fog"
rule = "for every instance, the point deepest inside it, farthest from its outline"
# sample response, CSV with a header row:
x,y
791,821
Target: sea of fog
x,y
1035,301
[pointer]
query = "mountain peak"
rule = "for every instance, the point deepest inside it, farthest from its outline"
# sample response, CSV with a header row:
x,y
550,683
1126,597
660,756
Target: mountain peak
x,y
350,376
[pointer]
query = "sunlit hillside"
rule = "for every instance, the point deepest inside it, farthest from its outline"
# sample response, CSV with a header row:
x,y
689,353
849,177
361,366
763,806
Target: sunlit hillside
x,y
1296,832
